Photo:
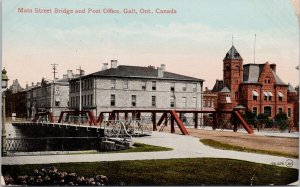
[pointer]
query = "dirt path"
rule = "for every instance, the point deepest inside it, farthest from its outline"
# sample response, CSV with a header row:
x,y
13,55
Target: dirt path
x,y
280,144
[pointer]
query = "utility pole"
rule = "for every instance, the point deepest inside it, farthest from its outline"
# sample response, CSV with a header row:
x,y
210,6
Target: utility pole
x,y
53,92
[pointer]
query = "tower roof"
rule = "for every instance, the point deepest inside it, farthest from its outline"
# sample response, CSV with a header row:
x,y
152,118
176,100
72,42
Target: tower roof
x,y
233,54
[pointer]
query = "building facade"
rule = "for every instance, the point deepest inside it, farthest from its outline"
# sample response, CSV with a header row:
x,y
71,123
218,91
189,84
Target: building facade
x,y
210,99
135,87
256,87
49,96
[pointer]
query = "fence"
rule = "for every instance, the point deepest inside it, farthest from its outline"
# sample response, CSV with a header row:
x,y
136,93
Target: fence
x,y
53,144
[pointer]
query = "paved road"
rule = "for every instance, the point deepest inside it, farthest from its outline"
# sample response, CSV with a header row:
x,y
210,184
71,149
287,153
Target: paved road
x,y
184,147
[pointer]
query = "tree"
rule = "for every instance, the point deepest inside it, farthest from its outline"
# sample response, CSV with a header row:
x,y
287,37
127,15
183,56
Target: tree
x,y
250,117
281,119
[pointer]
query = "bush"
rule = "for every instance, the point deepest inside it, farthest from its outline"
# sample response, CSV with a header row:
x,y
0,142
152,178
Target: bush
x,y
250,118
282,121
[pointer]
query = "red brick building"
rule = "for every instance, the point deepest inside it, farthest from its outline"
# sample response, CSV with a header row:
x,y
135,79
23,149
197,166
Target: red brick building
x,y
256,87
210,99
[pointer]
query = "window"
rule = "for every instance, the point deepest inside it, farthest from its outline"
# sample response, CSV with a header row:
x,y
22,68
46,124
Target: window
x,y
270,96
133,100
194,87
153,101
113,84
184,87
112,100
144,85
254,95
237,69
84,101
77,101
289,112
172,88
268,110
212,103
280,110
228,99
184,102
208,103
266,96
204,103
172,101
91,98
194,101
268,80
57,102
153,85
236,96
254,110
125,84
280,96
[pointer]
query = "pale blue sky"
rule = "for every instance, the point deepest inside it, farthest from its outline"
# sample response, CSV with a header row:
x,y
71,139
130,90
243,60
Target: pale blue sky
x,y
192,42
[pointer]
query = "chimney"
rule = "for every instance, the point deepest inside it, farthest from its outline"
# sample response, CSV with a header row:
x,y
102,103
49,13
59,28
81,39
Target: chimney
x,y
32,83
69,74
105,66
163,67
273,67
160,72
114,64
206,89
26,86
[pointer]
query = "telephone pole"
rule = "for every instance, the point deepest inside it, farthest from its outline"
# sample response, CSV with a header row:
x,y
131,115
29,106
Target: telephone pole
x,y
53,92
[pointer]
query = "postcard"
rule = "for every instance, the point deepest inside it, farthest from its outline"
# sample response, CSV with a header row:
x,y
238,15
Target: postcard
x,y
130,92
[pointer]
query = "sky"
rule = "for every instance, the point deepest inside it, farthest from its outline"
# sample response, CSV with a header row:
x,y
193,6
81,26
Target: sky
x,y
191,42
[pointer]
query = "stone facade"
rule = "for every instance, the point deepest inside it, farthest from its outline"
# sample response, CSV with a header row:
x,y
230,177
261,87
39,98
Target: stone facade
x,y
134,87
49,97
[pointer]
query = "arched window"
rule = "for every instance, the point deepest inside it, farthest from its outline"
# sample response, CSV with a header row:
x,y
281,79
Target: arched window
x,y
237,68
267,80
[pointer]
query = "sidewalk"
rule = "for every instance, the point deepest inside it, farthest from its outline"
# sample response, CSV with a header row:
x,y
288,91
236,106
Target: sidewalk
x,y
184,147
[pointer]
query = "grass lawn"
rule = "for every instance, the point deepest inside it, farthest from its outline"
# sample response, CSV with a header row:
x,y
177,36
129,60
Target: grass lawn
x,y
193,171
220,145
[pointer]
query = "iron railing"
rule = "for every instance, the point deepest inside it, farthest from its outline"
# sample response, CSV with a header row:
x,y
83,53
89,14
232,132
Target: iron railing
x,y
53,144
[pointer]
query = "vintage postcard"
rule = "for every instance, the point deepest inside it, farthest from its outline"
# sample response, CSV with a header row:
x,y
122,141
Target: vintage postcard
x,y
136,92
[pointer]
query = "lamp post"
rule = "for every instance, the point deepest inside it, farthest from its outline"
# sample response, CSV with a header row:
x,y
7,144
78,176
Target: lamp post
x,y
4,86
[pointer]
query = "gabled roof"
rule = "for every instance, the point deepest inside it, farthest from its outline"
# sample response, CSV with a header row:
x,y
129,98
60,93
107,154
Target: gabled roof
x,y
123,71
233,54
225,90
251,74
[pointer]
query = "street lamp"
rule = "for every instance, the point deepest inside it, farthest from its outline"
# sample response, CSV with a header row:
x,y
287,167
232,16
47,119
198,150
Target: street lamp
x,y
4,86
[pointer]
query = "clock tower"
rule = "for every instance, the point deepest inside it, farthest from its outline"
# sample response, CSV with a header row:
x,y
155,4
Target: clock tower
x,y
233,73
